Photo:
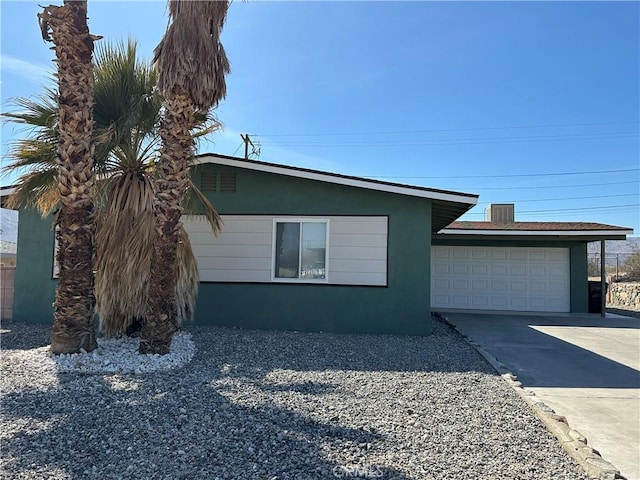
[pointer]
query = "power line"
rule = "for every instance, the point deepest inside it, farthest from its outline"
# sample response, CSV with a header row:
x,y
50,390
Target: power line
x,y
570,210
593,172
572,198
472,141
555,186
236,150
560,125
547,215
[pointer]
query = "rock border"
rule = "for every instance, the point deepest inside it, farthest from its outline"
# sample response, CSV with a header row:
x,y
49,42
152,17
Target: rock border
x,y
571,440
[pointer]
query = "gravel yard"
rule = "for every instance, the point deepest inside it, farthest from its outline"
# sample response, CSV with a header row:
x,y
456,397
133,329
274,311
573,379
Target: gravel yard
x,y
274,405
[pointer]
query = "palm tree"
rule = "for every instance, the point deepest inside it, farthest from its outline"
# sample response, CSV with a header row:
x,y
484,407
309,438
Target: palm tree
x,y
126,114
66,27
192,65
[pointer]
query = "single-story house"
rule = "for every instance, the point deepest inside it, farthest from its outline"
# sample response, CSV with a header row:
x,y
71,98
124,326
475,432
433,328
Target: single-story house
x,y
309,250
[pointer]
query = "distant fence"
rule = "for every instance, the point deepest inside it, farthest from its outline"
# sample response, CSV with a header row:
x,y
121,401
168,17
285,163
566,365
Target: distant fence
x,y
6,292
614,264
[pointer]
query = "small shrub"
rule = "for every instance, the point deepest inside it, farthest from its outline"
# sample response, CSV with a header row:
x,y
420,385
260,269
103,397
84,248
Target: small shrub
x,y
631,266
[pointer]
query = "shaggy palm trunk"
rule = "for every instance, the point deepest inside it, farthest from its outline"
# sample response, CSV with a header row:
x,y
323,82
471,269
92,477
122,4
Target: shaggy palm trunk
x,y
177,151
73,308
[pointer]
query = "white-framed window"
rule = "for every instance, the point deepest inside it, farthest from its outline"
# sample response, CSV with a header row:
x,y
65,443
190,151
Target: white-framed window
x,y
300,247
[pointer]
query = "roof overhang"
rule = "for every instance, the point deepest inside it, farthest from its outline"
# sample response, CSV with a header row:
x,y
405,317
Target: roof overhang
x,y
6,191
579,235
447,205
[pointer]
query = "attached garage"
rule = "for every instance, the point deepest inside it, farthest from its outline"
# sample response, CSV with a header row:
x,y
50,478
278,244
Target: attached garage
x,y
506,265
501,278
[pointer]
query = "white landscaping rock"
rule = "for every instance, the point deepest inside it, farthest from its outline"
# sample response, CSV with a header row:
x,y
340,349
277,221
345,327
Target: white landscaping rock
x,y
113,355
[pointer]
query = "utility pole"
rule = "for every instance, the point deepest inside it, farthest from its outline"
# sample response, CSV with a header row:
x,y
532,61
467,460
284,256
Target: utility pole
x,y
247,140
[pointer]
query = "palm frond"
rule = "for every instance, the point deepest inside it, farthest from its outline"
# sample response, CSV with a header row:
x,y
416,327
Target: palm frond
x,y
36,189
126,105
31,154
196,203
124,236
40,113
190,57
187,279
126,115
123,260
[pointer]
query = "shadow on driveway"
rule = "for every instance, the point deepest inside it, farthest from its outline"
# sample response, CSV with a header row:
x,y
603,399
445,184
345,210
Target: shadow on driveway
x,y
564,351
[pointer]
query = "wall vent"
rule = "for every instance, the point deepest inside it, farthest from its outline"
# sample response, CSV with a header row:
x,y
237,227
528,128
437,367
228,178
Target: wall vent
x,y
214,182
500,213
228,182
209,181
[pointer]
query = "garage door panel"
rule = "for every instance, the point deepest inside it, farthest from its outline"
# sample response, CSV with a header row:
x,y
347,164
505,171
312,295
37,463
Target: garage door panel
x,y
498,302
518,303
538,271
479,254
557,255
537,256
538,302
498,270
496,278
517,255
555,287
556,271
460,269
460,285
557,304
480,270
480,285
460,301
518,270
497,254
442,300
441,284
459,254
480,301
440,269
537,287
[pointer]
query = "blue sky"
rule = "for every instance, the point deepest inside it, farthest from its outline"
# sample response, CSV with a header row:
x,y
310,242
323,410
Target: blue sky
x,y
536,103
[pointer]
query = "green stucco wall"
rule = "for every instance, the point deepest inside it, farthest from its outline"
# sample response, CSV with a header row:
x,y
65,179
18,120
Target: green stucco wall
x,y
34,288
577,260
579,278
402,307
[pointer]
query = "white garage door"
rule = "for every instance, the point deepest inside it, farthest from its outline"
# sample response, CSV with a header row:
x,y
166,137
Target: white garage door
x,y
494,278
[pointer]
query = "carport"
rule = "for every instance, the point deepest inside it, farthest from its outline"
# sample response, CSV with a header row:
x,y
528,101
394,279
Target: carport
x,y
515,266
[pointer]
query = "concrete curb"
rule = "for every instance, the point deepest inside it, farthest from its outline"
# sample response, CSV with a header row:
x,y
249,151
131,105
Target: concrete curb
x,y
572,441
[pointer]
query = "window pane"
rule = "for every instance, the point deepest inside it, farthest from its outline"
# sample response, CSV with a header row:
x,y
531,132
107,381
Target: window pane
x,y
314,248
287,250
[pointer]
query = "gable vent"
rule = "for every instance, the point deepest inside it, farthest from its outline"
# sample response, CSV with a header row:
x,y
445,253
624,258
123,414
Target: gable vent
x,y
209,181
228,182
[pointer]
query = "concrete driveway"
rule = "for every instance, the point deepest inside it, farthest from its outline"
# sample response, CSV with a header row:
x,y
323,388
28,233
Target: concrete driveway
x,y
585,367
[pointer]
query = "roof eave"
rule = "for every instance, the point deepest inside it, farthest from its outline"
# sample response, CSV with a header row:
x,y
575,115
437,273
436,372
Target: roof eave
x,y
588,235
421,192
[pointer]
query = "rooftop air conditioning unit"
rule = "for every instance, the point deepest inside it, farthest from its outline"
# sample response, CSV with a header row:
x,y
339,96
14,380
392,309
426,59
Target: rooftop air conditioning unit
x,y
500,213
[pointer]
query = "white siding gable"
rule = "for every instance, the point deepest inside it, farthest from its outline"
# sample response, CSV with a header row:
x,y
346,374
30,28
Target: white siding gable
x,y
244,250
